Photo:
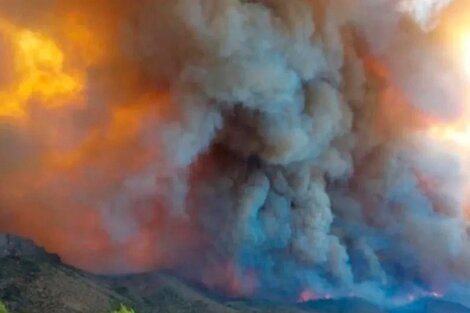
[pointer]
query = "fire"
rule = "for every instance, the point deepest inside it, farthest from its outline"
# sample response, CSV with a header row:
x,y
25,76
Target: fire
x,y
91,176
41,61
39,72
80,143
307,295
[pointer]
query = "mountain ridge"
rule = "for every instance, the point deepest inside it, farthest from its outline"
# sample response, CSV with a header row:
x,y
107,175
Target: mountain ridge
x,y
32,281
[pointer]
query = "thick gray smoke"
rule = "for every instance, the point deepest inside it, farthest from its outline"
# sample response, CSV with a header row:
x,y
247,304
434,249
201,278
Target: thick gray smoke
x,y
282,160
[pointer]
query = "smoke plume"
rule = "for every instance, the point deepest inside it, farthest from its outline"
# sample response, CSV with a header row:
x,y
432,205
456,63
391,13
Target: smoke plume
x,y
262,148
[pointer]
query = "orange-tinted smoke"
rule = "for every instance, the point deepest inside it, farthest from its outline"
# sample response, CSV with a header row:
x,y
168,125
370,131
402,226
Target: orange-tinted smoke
x,y
61,156
393,113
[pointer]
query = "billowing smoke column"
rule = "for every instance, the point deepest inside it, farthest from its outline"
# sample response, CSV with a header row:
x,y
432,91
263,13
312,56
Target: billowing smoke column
x,y
265,148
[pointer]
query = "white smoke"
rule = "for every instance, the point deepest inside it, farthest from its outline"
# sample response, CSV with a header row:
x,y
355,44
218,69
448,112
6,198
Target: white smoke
x,y
424,12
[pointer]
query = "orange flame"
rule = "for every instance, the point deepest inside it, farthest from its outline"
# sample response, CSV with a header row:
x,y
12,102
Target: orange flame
x,y
39,72
71,150
307,295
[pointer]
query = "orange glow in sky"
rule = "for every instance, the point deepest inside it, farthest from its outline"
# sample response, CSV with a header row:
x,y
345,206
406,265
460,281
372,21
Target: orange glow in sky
x,y
38,69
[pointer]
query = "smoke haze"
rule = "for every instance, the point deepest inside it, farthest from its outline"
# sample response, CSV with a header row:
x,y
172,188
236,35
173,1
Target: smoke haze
x,y
261,148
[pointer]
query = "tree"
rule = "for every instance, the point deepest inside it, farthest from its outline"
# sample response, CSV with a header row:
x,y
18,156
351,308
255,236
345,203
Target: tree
x,y
3,308
122,309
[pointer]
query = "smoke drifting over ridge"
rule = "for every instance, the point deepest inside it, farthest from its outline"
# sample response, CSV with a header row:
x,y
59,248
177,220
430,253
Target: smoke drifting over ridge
x,y
263,148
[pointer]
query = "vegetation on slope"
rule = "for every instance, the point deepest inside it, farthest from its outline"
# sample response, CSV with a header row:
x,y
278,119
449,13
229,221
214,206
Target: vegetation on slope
x,y
3,308
122,309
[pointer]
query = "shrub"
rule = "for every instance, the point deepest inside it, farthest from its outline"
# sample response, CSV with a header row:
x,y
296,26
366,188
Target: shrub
x,y
3,308
122,309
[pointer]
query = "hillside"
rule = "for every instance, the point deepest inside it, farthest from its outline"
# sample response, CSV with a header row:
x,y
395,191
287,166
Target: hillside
x,y
32,281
